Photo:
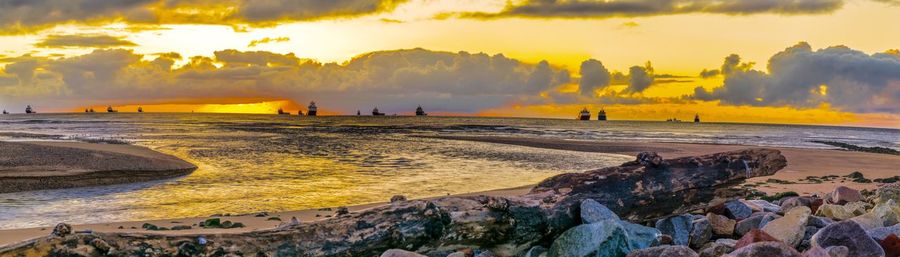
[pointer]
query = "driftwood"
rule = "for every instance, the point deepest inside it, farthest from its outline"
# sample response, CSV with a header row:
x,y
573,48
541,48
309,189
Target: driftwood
x,y
647,188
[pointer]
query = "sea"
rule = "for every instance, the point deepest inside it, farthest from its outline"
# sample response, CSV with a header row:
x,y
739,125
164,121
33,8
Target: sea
x,y
253,162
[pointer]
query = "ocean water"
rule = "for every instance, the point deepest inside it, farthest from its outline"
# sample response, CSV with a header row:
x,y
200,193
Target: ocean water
x,y
252,163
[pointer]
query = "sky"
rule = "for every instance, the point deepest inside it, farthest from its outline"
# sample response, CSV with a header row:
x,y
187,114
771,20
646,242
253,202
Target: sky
x,y
831,62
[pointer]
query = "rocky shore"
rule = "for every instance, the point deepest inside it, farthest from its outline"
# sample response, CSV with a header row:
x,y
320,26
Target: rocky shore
x,y
690,206
28,166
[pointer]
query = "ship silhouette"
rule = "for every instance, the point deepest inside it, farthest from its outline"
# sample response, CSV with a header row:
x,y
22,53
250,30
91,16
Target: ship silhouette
x,y
697,118
140,109
29,110
375,112
420,111
313,110
601,115
5,112
584,115
281,111
110,109
300,113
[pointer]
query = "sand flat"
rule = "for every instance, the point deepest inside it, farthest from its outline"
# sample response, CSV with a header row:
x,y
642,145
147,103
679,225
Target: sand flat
x,y
28,166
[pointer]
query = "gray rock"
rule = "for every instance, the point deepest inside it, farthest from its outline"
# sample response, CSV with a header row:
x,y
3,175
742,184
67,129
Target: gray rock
x,y
536,251
850,235
766,249
679,227
701,232
880,233
819,222
592,212
737,210
887,192
61,230
745,225
790,228
400,253
665,251
715,250
398,198
485,254
640,237
838,251
726,242
459,254
605,238
766,205
768,217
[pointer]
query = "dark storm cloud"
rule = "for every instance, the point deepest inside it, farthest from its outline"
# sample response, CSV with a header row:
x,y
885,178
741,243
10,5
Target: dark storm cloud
x,y
633,8
846,79
83,41
19,16
393,80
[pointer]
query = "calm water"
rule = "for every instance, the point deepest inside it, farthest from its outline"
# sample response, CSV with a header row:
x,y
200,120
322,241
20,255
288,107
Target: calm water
x,y
251,163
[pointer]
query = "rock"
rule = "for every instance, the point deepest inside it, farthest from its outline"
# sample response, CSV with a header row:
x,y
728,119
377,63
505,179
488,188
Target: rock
x,y
891,245
398,198
769,217
701,232
818,222
459,254
843,195
605,238
882,215
342,211
790,228
838,251
536,251
666,239
737,210
714,250
816,252
745,225
850,235
664,251
101,246
640,237
765,205
754,236
812,203
727,242
679,227
887,192
398,253
721,225
765,249
485,254
881,233
61,230
592,211
842,212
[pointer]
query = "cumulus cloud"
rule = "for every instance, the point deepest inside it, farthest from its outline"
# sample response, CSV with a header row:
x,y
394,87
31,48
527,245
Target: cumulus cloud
x,y
593,76
25,16
83,41
392,80
268,40
632,8
640,78
799,76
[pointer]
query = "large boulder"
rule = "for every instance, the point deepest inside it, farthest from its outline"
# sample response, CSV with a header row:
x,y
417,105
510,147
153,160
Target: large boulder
x,y
882,215
766,249
843,195
887,192
640,237
701,232
790,228
756,221
592,212
721,225
679,227
819,222
883,232
602,239
400,253
848,234
665,251
891,245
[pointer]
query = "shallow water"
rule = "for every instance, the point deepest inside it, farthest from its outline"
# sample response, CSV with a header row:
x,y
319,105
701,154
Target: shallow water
x,y
251,163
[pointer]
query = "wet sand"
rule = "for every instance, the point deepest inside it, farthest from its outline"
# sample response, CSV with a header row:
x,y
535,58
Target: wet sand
x,y
28,166
801,163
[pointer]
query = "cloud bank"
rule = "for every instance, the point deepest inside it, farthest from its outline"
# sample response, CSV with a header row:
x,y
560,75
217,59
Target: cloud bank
x,y
799,76
83,41
23,16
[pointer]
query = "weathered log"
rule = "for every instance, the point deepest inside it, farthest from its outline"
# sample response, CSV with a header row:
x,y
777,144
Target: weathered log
x,y
646,188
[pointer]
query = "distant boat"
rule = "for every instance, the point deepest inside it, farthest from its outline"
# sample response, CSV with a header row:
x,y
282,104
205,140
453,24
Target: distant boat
x,y
312,109
673,120
697,118
5,112
601,115
358,113
584,115
110,109
29,110
300,113
140,109
85,110
91,110
281,112
420,111
375,112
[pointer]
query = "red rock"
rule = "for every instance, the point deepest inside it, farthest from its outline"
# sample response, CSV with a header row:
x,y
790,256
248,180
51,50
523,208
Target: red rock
x,y
815,204
754,236
891,245
842,195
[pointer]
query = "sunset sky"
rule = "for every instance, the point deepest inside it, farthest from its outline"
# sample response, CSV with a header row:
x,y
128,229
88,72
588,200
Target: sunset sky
x,y
792,61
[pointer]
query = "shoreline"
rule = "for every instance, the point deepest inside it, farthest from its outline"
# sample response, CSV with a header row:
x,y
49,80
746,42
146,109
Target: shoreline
x,y
801,163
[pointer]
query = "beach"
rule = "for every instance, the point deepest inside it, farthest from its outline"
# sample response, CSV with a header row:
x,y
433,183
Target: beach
x,y
801,163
